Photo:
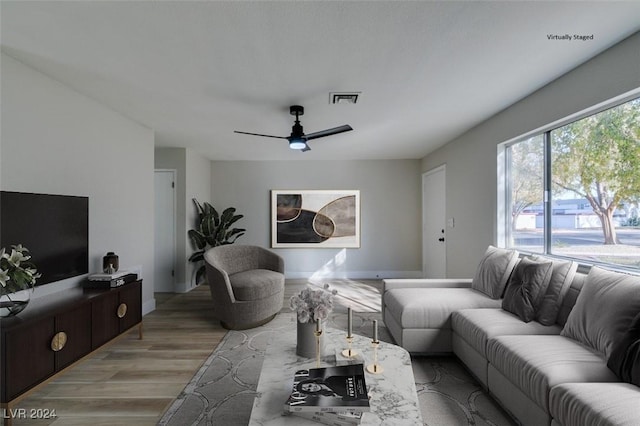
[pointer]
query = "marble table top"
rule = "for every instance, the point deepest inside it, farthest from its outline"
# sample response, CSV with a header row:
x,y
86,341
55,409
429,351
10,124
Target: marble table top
x,y
393,396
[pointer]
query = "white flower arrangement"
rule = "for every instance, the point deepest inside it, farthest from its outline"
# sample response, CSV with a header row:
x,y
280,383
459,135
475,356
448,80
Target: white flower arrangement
x,y
16,272
311,305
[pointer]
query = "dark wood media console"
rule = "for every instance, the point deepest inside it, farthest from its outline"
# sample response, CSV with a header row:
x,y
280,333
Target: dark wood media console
x,y
55,331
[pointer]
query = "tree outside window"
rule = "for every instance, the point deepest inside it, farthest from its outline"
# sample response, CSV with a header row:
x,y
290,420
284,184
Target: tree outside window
x,y
594,189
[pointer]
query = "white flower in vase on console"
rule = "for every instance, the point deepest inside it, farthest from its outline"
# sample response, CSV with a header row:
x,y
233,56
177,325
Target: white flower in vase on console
x,y
17,279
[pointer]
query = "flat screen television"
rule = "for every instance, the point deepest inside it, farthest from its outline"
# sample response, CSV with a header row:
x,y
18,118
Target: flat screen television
x,y
55,229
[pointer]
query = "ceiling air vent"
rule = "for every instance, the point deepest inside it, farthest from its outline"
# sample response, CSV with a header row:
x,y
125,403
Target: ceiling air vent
x,y
343,97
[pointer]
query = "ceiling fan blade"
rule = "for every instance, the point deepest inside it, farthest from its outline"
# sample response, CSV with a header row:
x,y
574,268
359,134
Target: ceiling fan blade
x,y
328,132
258,134
306,148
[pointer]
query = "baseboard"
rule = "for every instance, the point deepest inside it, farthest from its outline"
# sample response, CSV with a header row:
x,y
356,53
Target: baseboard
x,y
353,275
148,306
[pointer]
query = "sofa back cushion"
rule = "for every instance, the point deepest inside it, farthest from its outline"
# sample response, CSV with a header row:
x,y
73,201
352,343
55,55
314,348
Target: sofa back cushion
x,y
526,288
625,356
561,278
493,271
604,309
570,298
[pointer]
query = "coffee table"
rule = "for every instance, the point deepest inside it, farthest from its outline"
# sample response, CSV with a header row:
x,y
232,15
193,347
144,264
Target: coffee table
x,y
394,400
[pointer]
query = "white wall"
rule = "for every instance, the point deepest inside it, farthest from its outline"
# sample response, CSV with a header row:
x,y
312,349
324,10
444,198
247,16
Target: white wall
x,y
56,140
471,158
390,212
193,180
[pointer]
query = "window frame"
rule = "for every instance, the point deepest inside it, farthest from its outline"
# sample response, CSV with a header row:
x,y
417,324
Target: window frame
x,y
503,209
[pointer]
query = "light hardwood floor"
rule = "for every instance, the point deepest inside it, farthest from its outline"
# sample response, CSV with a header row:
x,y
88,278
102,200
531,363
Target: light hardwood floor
x,y
131,381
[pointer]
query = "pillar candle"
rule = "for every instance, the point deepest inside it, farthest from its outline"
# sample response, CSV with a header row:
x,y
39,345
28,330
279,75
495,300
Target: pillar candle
x,y
349,323
375,330
318,324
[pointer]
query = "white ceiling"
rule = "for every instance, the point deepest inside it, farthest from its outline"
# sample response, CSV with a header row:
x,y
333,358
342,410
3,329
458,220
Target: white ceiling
x,y
195,71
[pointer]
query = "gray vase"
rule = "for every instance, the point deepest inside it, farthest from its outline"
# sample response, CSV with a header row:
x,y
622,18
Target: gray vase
x,y
306,342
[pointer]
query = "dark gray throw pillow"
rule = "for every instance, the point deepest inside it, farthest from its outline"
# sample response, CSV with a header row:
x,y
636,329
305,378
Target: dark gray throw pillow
x,y
494,270
526,288
625,356
561,277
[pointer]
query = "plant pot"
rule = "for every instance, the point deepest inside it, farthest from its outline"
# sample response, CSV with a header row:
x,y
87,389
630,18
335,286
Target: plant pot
x,y
306,341
14,303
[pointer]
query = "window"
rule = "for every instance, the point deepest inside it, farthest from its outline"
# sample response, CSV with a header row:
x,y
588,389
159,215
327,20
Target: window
x,y
574,190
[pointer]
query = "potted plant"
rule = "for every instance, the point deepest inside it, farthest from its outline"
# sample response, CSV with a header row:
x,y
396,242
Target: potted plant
x,y
213,230
17,279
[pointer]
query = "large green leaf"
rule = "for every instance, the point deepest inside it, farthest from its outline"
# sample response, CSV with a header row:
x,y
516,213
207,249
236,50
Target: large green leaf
x,y
208,225
200,274
197,239
197,256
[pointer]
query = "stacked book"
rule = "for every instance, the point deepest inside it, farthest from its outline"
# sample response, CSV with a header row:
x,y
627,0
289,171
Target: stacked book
x,y
106,280
330,395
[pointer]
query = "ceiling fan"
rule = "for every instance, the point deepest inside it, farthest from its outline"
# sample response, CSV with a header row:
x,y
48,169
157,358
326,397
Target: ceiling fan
x,y
298,140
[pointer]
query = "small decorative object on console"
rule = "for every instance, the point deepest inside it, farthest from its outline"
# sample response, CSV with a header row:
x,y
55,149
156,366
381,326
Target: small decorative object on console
x,y
110,263
17,279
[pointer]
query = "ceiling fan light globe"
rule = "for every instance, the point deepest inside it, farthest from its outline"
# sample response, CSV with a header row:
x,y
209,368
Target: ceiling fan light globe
x,y
297,144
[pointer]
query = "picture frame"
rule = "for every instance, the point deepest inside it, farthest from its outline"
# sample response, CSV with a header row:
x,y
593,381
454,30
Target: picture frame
x,y
315,218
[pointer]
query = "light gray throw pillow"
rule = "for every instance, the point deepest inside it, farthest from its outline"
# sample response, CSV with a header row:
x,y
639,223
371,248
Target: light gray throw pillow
x,y
526,288
563,273
604,309
494,270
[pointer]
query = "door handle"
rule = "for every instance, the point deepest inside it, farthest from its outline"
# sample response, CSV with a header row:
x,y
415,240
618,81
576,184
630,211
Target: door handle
x,y
441,239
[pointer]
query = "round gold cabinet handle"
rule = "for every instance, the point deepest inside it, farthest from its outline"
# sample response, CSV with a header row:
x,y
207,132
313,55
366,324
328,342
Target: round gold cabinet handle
x,y
122,310
58,341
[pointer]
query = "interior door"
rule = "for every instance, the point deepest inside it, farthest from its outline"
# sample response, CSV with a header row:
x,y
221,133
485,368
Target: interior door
x,y
434,242
165,235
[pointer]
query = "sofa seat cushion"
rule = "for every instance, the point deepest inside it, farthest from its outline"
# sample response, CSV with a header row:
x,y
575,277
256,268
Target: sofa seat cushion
x,y
537,363
432,307
256,284
579,404
477,326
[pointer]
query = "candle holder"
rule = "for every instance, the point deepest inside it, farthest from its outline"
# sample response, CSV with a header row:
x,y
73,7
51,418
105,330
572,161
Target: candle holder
x,y
375,368
317,333
349,352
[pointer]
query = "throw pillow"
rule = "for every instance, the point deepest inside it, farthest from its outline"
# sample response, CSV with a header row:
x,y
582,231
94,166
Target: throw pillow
x,y
563,273
605,307
526,288
494,271
625,355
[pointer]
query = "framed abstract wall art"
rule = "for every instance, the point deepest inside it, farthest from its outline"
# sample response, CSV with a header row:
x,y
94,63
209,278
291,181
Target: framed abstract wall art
x,y
315,218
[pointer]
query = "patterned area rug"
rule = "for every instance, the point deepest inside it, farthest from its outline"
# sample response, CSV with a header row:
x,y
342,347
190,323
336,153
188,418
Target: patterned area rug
x,y
222,391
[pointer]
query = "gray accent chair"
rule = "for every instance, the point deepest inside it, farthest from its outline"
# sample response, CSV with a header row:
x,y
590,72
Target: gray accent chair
x,y
246,283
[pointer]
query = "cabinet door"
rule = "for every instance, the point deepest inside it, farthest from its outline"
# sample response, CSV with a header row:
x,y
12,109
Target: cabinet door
x,y
29,357
131,297
104,321
76,324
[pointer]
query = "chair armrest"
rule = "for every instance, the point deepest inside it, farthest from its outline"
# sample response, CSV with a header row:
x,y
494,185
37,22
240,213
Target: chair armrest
x,y
389,284
273,261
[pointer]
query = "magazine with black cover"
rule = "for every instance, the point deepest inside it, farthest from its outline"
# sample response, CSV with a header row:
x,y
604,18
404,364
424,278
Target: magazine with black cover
x,y
339,388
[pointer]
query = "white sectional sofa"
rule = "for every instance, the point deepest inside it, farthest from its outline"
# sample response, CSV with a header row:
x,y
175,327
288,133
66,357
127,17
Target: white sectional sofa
x,y
553,374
